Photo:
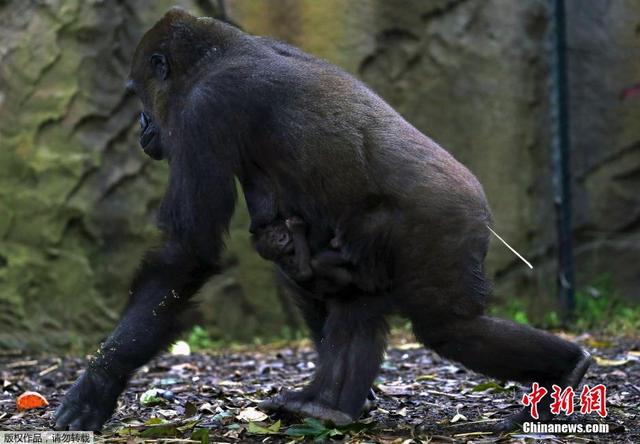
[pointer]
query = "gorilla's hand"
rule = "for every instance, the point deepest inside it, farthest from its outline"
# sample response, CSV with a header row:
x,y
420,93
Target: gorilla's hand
x,y
89,402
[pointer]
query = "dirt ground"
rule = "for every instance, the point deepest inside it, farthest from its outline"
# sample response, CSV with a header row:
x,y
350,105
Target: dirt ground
x,y
421,397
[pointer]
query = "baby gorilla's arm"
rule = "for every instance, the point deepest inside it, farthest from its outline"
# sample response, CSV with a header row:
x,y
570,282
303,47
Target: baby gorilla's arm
x,y
332,265
298,229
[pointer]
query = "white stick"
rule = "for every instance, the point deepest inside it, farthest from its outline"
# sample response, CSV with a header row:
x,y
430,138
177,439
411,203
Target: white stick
x,y
510,248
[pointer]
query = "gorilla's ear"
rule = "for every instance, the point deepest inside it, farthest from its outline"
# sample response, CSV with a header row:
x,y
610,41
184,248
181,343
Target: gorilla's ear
x,y
160,66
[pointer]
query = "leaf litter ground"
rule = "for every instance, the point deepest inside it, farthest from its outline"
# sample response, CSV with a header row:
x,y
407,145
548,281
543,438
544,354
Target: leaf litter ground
x,y
212,397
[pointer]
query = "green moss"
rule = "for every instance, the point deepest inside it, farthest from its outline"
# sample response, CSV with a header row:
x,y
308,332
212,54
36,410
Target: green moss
x,y
598,308
77,196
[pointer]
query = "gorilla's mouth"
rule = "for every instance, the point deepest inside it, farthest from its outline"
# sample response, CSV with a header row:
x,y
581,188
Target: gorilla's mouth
x,y
148,130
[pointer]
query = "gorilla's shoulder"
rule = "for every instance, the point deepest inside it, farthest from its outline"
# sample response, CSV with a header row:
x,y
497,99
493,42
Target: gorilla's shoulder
x,y
286,50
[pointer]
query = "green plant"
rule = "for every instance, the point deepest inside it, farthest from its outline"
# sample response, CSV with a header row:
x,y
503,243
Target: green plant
x,y
599,307
319,431
199,339
514,309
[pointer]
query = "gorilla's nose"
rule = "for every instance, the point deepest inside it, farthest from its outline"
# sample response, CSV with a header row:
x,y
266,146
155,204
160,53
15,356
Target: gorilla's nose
x,y
144,121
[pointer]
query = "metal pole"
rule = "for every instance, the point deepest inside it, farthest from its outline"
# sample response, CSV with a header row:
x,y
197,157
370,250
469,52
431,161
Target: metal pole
x,y
560,149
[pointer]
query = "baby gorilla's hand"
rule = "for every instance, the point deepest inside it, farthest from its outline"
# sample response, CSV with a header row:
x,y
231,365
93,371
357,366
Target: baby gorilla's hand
x,y
333,266
298,229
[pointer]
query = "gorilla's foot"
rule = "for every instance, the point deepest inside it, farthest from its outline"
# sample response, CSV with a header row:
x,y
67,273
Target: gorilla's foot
x,y
297,403
576,375
515,421
571,380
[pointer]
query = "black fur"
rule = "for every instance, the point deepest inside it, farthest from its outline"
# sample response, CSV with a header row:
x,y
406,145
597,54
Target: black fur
x,y
306,139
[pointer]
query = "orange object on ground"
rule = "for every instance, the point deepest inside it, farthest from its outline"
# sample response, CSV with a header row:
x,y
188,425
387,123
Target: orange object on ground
x,y
31,400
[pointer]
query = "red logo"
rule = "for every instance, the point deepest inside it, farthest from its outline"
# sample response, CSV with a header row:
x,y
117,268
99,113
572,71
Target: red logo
x,y
532,399
562,400
592,400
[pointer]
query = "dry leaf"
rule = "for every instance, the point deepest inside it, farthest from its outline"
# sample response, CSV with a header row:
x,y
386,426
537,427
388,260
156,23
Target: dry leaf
x,y
207,408
167,413
251,414
396,390
597,343
409,346
428,377
458,417
604,362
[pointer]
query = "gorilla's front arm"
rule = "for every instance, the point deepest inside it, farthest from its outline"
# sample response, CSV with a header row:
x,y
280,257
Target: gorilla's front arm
x,y
194,217
166,280
194,223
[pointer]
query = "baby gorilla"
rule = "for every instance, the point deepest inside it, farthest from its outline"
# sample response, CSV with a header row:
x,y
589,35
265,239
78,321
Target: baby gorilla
x,y
284,242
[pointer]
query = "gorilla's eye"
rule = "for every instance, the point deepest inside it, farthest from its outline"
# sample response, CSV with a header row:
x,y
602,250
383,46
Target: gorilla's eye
x,y
160,66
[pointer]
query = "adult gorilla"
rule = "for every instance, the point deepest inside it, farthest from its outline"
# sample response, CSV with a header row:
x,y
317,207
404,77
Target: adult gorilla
x,y
308,140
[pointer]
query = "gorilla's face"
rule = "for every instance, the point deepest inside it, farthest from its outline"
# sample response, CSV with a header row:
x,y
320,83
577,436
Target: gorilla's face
x,y
162,73
150,140
149,81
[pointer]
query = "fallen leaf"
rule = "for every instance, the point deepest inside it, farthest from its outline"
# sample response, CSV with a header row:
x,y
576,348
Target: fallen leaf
x,y
222,416
152,397
313,428
461,435
168,381
396,389
428,377
190,425
251,414
597,343
491,386
190,409
604,362
409,346
232,434
617,374
127,431
160,431
167,413
256,429
207,408
201,435
31,400
451,395
458,417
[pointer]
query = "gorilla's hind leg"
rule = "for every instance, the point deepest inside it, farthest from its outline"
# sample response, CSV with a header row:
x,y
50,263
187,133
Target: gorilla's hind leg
x,y
350,355
508,351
